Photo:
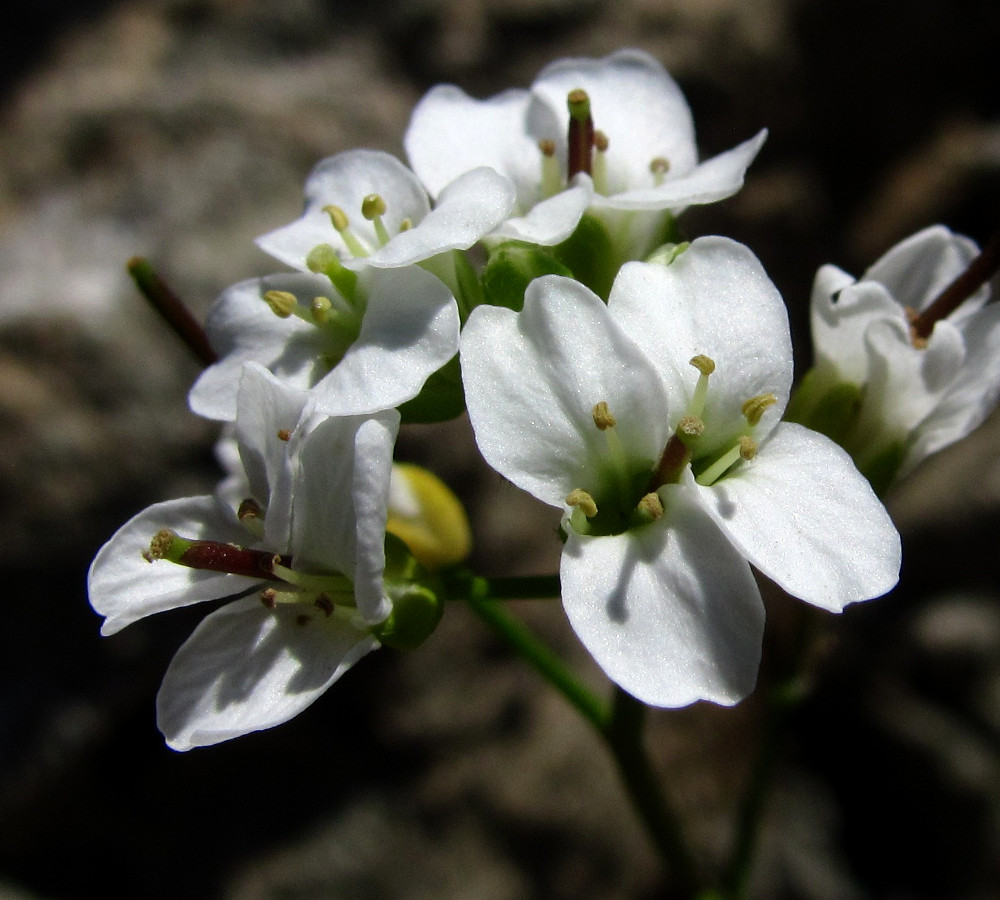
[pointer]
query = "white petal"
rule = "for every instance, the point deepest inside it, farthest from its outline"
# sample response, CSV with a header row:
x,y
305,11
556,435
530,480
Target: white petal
x,y
906,383
265,408
714,299
802,514
841,312
409,330
973,395
450,134
241,328
341,498
634,102
345,180
124,587
468,208
671,611
715,179
552,220
917,269
533,378
246,668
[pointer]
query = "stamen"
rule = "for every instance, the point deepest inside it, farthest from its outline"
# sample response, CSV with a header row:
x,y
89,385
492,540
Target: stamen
x,y
373,208
343,227
580,140
551,176
269,598
406,225
251,516
584,508
284,434
603,418
323,260
705,366
581,500
755,407
745,448
333,584
650,508
600,165
659,167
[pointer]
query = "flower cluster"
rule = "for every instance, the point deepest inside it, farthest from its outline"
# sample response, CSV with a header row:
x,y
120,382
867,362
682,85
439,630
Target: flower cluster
x,y
633,380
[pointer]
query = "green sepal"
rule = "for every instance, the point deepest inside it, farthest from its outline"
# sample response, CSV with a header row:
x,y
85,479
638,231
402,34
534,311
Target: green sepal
x,y
512,266
417,605
590,255
882,467
441,398
830,408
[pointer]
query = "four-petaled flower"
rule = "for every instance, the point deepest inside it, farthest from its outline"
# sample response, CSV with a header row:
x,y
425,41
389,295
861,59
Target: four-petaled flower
x,y
308,538
888,385
638,160
652,421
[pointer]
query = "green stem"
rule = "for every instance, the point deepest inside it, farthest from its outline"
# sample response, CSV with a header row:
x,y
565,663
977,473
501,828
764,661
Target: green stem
x,y
620,725
546,662
623,733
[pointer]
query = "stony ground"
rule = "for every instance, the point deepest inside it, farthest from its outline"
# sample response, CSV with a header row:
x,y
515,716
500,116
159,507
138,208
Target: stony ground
x,y
181,129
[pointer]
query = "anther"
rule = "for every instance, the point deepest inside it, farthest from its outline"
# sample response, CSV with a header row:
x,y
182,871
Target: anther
x,y
249,509
650,507
284,434
373,208
755,407
343,227
324,604
748,447
603,418
551,176
704,364
659,167
282,303
581,500
269,598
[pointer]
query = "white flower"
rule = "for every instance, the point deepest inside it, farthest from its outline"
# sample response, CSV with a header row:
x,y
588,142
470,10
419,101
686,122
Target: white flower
x,y
368,351
374,212
650,164
653,423
308,540
916,388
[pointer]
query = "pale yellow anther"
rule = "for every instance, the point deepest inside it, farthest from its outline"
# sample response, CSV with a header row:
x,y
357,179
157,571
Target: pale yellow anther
x,y
373,206
581,500
338,217
406,225
650,507
321,307
600,142
755,407
691,426
748,447
249,509
282,303
704,364
659,167
603,418
547,147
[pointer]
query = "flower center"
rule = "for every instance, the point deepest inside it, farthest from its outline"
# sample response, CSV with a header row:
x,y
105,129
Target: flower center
x,y
328,593
629,495
586,151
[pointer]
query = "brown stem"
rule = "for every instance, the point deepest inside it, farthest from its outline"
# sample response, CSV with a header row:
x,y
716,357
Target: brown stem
x,y
980,270
171,309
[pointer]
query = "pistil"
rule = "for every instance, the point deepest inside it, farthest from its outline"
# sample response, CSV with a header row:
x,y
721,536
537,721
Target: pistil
x,y
580,140
214,556
373,207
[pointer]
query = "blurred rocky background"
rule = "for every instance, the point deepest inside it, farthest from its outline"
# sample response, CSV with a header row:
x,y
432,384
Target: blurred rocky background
x,y
181,129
